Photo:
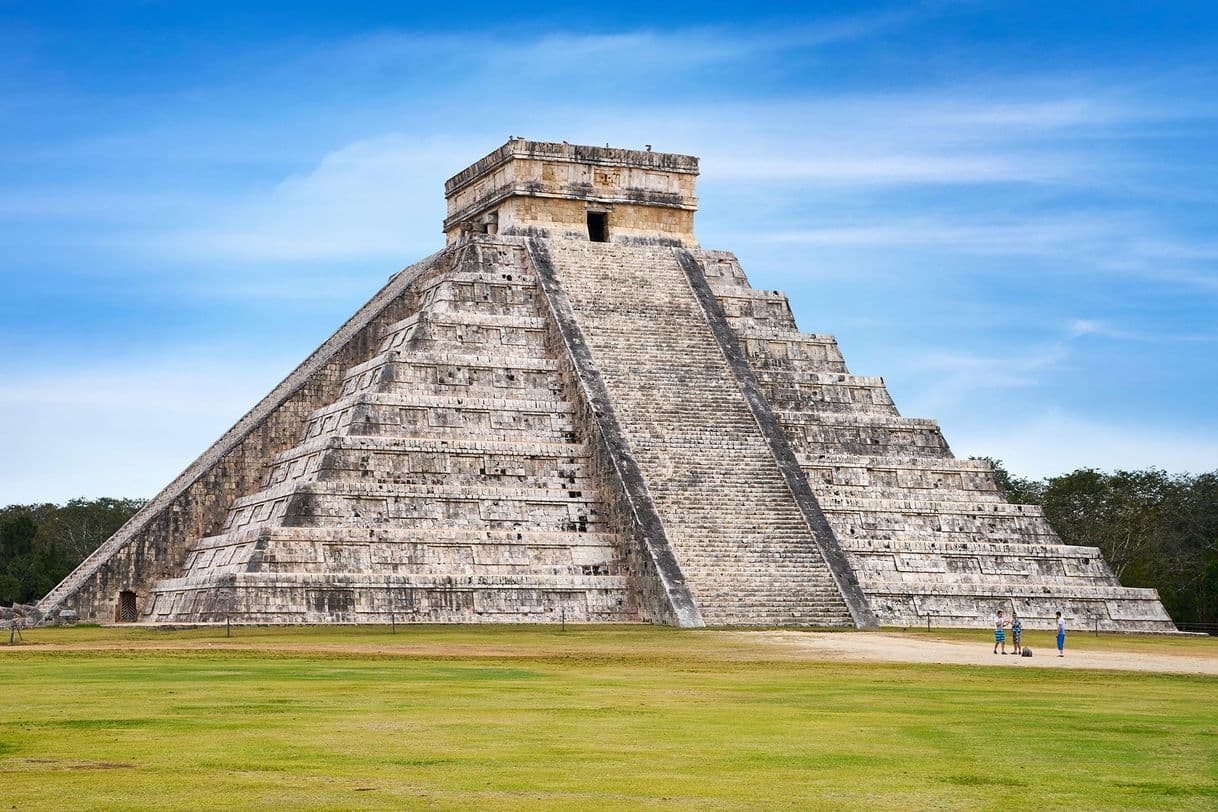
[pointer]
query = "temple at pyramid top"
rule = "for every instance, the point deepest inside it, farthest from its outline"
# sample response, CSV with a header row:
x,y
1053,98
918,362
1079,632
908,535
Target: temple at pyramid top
x,y
601,194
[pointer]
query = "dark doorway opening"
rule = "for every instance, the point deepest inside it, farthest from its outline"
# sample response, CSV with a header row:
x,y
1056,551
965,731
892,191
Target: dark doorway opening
x,y
598,226
126,607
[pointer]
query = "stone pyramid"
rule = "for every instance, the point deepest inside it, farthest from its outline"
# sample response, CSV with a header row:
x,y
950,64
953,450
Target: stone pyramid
x,y
573,412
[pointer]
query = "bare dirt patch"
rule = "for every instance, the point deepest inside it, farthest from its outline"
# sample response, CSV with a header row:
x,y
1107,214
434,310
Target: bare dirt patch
x,y
893,647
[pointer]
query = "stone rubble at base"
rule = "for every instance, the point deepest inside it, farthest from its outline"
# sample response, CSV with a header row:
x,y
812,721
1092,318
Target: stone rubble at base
x,y
531,426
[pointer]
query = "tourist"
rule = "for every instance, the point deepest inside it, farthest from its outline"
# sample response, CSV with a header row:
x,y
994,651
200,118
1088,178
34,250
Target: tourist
x,y
1061,635
1000,632
1016,631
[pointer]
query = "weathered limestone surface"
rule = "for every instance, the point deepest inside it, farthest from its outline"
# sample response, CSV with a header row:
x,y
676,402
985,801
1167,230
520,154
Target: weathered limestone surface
x,y
155,542
659,582
447,483
929,535
441,477
532,187
745,548
574,412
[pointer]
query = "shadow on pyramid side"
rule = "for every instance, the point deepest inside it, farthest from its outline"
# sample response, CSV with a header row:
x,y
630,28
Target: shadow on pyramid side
x,y
447,483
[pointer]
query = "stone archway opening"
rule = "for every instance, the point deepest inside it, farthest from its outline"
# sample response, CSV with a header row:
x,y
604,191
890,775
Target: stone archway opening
x,y
127,610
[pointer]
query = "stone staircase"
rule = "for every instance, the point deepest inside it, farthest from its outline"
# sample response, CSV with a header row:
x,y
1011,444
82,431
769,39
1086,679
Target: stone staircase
x,y
929,535
447,483
746,551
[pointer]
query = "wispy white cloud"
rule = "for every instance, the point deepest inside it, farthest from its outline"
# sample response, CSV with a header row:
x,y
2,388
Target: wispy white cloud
x,y
627,53
1038,165
379,198
883,167
1080,328
369,198
123,428
1037,236
1092,327
1202,279
689,47
1127,243
1046,443
945,379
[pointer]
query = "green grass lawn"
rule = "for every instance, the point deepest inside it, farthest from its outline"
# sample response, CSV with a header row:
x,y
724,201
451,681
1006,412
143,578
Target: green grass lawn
x,y
606,717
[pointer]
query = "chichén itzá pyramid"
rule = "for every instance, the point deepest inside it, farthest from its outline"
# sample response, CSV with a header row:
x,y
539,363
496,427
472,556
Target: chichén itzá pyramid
x,y
574,412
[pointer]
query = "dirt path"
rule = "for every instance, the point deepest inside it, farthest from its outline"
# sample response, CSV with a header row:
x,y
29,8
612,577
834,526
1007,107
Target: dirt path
x,y
896,648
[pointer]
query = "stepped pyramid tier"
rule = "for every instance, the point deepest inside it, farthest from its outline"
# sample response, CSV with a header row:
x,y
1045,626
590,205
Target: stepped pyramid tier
x,y
573,412
929,536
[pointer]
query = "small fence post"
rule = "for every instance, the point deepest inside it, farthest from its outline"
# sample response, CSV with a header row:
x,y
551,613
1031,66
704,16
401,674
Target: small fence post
x,y
563,616
228,626
393,609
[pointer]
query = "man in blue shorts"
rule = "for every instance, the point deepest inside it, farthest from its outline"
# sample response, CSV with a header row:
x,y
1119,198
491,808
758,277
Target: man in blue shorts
x,y
1000,632
1061,635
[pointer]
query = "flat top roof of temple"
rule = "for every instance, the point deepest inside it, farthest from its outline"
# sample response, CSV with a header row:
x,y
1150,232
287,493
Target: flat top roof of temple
x,y
520,148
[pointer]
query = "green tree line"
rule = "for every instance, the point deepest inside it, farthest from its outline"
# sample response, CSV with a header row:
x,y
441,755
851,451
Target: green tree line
x,y
40,544
1155,529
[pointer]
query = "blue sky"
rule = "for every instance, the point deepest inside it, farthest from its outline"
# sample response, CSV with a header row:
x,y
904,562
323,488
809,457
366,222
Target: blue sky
x,y
1007,209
